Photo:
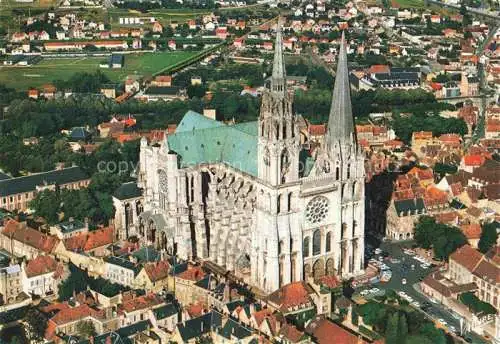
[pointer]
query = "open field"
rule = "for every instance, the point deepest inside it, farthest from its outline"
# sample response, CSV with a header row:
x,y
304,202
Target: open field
x,y
51,69
409,3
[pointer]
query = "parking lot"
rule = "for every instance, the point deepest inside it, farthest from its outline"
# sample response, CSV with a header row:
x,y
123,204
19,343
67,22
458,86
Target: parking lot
x,y
406,271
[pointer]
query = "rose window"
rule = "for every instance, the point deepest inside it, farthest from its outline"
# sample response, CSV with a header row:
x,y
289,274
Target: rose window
x,y
317,210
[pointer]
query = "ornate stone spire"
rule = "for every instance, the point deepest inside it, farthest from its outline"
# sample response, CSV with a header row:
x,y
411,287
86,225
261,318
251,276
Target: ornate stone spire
x,y
278,78
341,121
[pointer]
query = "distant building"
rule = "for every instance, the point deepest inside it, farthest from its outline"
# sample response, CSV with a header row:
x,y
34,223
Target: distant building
x,y
16,193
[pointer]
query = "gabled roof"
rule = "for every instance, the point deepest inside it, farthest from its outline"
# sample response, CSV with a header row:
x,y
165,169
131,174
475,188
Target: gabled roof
x,y
291,333
29,183
325,331
196,327
165,311
157,271
291,295
127,191
90,240
41,265
232,329
466,256
29,236
141,302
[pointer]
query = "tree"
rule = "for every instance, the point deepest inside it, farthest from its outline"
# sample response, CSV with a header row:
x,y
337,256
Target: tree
x,y
86,329
47,205
402,329
196,91
392,329
75,283
443,239
36,325
430,332
489,236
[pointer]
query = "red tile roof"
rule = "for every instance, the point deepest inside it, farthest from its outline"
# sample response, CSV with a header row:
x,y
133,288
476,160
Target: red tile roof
x,y
379,69
29,236
291,333
329,281
157,271
325,331
141,302
472,231
41,265
474,160
317,129
195,310
193,273
422,135
466,256
91,240
291,295
68,315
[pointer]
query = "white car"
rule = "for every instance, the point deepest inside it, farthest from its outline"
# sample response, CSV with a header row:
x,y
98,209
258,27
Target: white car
x,y
442,322
375,290
415,304
403,281
365,292
378,251
401,293
433,300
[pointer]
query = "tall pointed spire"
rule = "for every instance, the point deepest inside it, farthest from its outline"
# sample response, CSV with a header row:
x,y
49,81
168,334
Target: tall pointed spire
x,y
278,78
341,121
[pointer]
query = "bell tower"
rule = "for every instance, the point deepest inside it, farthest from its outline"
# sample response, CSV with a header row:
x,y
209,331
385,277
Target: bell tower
x,y
279,143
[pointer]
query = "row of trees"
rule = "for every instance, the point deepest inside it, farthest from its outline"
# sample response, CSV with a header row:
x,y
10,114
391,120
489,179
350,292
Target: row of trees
x,y
405,126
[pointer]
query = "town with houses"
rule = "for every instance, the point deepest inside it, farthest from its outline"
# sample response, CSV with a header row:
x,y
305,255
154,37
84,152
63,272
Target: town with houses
x,y
306,171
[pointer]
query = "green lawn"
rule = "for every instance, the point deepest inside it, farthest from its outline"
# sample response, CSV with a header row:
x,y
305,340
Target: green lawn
x,y
409,3
63,68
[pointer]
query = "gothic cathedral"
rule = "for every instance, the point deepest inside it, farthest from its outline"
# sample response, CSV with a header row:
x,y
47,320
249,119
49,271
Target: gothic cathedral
x,y
250,198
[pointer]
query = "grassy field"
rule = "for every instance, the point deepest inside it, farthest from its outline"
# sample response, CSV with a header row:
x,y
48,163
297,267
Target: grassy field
x,y
49,70
409,3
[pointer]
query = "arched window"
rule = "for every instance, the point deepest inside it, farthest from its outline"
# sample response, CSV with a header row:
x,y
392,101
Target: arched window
x,y
289,202
305,247
278,205
348,171
328,242
316,242
337,173
284,130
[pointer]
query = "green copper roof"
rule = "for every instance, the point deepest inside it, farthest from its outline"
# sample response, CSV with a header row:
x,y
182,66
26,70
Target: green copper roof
x,y
201,140
194,121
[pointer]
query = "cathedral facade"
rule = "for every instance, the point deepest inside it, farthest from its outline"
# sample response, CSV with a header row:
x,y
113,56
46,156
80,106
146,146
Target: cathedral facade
x,y
249,198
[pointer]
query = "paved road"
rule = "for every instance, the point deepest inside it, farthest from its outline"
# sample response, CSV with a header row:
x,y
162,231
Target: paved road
x,y
413,277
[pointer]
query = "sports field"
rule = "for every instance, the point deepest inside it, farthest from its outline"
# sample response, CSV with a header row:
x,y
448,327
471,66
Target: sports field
x,y
51,69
